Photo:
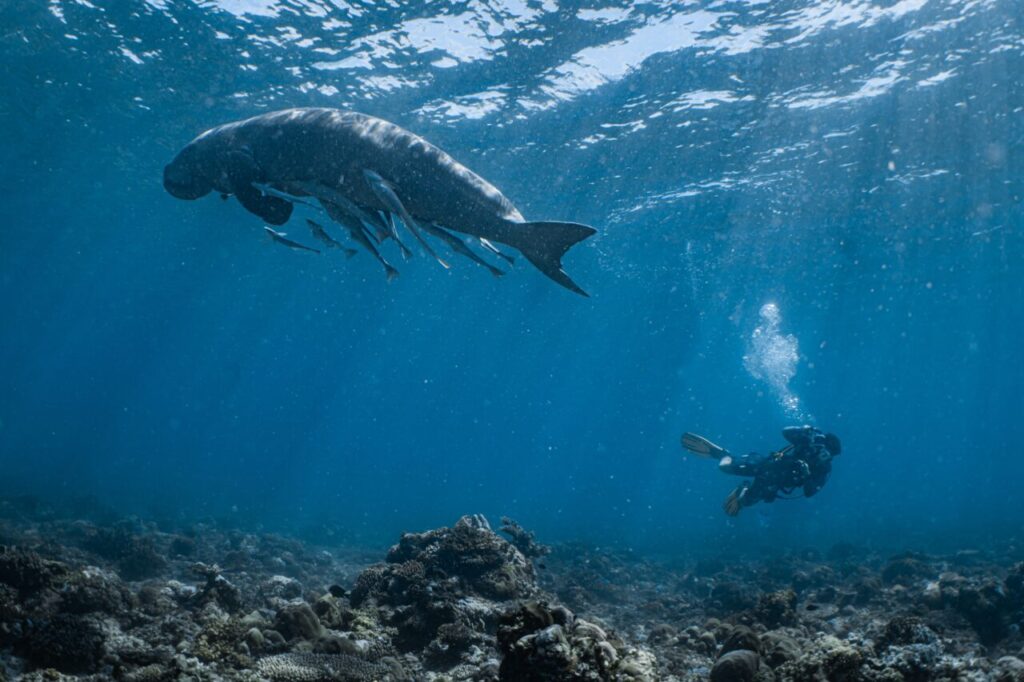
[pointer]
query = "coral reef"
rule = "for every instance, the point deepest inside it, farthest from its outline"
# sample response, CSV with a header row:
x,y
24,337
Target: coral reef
x,y
523,540
125,600
67,642
135,555
846,614
442,590
739,665
540,642
326,668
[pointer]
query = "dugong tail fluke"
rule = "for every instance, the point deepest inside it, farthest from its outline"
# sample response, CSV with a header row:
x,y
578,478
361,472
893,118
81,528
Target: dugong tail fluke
x,y
544,243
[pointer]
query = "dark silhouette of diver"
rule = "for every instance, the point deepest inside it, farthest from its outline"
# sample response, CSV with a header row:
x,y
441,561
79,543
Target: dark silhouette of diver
x,y
805,463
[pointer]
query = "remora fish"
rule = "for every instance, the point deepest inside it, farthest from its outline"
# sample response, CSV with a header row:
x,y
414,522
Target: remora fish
x,y
330,242
280,238
376,165
352,220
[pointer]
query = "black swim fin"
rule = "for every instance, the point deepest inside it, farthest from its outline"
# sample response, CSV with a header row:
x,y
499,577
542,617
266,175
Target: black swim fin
x,y
544,244
702,447
734,502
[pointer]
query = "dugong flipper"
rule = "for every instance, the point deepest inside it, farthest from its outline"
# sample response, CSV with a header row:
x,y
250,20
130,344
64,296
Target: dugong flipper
x,y
242,172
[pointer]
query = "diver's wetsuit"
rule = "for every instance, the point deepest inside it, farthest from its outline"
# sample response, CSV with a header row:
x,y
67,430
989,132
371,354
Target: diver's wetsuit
x,y
805,463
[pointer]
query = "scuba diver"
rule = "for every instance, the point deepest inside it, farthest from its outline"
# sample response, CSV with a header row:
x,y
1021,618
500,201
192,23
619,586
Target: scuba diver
x,y
804,463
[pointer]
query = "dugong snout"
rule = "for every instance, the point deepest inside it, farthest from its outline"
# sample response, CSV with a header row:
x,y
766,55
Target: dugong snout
x,y
182,181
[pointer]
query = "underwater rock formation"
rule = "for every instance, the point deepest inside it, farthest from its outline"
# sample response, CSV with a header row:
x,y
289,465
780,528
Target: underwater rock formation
x,y
776,608
217,589
741,638
482,562
465,603
523,540
985,607
69,643
739,665
135,555
296,620
441,589
541,643
326,668
828,658
94,590
26,571
779,648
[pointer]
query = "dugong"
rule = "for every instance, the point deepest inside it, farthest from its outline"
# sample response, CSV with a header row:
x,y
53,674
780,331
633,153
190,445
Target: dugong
x,y
364,171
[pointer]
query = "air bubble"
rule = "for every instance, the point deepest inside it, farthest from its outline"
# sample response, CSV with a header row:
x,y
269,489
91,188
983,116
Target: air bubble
x,y
772,357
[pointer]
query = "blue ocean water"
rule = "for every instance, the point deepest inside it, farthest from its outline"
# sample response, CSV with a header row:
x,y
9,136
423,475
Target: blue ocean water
x,y
806,212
